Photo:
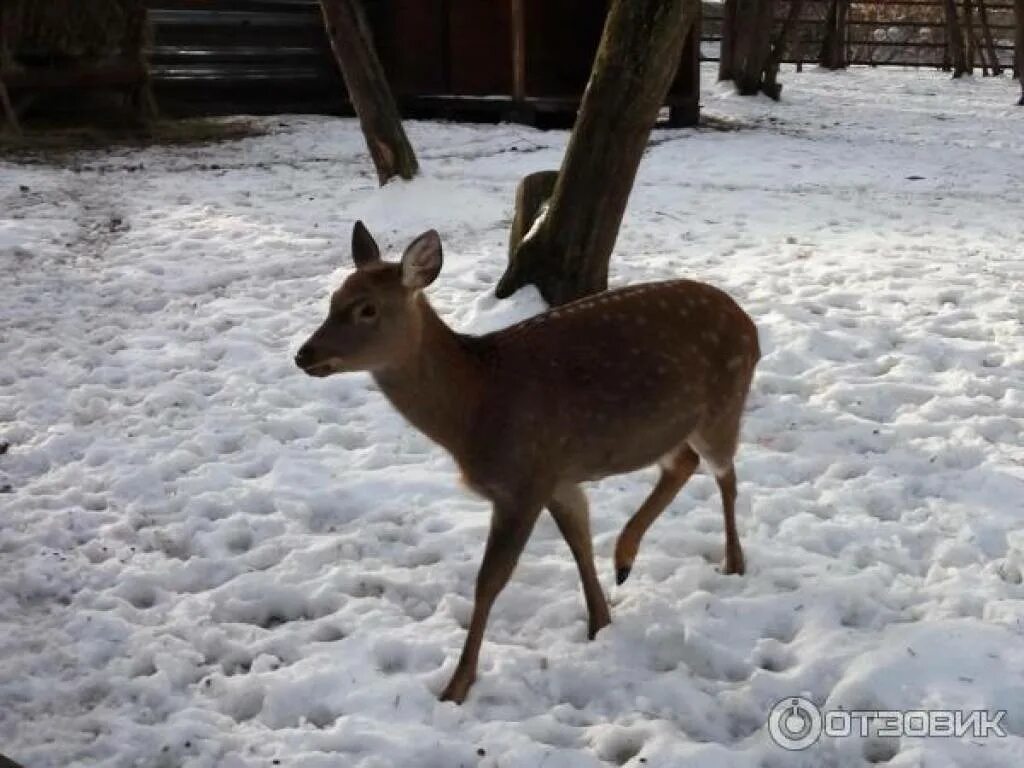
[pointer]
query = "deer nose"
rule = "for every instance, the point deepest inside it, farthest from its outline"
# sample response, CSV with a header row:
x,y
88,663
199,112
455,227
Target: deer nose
x,y
304,356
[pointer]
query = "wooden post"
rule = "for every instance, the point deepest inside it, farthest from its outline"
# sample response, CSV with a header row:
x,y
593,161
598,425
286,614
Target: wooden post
x,y
368,89
567,250
521,111
518,51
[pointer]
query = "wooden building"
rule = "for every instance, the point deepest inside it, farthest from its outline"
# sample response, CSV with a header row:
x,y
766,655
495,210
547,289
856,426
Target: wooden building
x,y
522,60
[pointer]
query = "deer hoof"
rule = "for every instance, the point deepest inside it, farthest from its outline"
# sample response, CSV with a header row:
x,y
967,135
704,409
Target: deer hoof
x,y
734,566
596,626
622,573
457,689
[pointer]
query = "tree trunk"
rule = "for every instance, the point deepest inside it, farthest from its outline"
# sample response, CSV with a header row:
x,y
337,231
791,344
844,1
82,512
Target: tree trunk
x,y
833,45
746,44
771,70
1018,46
368,89
990,45
968,31
955,40
567,251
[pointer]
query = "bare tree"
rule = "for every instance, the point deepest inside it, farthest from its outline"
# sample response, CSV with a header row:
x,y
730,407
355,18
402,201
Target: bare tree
x,y
833,44
779,44
955,41
1018,47
566,250
746,44
990,44
967,28
725,55
352,43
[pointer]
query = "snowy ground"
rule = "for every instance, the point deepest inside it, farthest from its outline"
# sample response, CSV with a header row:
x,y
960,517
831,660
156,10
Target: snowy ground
x,y
209,559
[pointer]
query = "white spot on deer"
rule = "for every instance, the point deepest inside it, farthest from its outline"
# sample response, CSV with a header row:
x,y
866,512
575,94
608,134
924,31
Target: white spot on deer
x,y
735,363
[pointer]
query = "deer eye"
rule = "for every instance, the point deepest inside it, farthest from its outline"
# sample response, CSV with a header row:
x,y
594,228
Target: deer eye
x,y
365,313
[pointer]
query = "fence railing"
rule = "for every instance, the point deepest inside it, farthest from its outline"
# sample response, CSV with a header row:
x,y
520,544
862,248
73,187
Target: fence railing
x,y
887,32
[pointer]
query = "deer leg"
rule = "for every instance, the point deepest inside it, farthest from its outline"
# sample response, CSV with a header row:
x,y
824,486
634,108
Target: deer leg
x,y
510,530
733,551
674,475
569,508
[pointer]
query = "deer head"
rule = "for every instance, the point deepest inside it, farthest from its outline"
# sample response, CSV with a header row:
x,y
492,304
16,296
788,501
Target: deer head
x,y
373,322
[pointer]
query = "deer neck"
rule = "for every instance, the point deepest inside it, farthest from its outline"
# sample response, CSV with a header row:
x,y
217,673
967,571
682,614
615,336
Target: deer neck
x,y
438,386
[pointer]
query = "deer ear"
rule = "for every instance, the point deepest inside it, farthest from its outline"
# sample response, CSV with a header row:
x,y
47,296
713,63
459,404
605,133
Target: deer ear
x,y
364,249
421,262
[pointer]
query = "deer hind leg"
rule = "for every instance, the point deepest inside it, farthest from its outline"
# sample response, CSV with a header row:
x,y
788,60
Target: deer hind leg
x,y
734,563
717,447
569,508
674,474
510,530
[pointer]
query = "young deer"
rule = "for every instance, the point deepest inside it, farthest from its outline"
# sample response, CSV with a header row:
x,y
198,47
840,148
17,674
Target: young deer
x,y
604,385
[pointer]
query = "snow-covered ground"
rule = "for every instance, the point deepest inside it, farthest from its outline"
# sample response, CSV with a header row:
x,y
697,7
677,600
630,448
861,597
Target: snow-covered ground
x,y
210,559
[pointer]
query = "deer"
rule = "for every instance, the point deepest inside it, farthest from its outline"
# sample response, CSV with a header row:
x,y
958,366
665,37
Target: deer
x,y
655,373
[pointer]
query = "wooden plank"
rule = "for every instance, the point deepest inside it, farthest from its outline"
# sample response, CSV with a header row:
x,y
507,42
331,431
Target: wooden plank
x,y
410,39
518,28
480,47
213,17
169,53
51,78
233,73
554,68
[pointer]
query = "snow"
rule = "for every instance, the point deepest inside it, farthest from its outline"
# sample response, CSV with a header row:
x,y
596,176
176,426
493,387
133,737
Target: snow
x,y
210,559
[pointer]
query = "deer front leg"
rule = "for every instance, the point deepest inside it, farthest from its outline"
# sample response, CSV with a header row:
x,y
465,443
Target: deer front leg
x,y
510,530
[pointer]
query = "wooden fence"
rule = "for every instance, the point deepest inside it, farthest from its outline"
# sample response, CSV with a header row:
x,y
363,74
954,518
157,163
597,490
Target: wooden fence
x,y
242,56
885,32
272,56
447,58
